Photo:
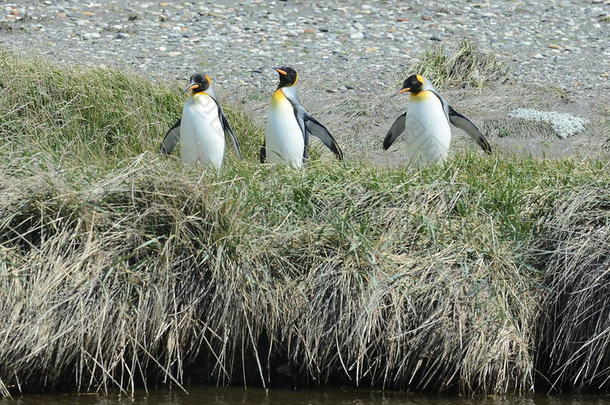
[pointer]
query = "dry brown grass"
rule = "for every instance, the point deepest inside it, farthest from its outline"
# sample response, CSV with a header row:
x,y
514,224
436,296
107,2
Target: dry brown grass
x,y
129,279
575,326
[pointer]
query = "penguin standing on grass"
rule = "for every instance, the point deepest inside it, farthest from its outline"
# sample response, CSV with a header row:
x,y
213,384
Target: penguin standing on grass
x,y
289,126
202,128
426,124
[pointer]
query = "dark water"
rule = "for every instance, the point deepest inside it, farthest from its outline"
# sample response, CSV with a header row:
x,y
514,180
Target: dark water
x,y
255,396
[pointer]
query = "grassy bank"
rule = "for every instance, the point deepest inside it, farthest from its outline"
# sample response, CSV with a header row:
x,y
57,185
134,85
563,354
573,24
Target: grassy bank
x,y
121,268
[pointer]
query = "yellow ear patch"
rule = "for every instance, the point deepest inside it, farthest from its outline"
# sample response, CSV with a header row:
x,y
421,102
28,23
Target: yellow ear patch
x,y
420,78
208,78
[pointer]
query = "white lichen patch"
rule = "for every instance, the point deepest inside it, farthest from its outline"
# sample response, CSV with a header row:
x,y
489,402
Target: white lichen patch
x,y
563,124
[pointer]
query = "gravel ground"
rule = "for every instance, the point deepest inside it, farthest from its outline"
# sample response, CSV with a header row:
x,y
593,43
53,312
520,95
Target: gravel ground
x,y
351,54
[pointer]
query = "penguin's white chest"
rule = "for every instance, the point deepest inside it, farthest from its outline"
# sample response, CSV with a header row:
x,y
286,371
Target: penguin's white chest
x,y
427,130
201,135
284,140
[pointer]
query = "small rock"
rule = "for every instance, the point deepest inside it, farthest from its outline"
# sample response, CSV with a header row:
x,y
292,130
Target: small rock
x,y
91,35
122,35
537,56
357,35
426,17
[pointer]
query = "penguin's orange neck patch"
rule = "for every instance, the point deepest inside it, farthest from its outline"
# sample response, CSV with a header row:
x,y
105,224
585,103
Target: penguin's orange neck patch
x,y
201,93
421,96
278,97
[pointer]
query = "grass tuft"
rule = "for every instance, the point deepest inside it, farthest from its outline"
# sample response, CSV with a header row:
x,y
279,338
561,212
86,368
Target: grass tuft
x,y
467,66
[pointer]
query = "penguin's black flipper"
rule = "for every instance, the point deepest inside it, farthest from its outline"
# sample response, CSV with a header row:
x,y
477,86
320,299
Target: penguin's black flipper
x,y
467,126
262,154
306,134
226,127
228,130
397,128
172,137
318,130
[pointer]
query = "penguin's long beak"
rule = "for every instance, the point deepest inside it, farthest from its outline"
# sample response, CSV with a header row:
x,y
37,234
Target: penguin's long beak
x,y
399,92
280,71
190,86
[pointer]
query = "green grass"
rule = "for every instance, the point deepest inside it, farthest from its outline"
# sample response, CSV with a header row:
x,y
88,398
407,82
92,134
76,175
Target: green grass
x,y
120,267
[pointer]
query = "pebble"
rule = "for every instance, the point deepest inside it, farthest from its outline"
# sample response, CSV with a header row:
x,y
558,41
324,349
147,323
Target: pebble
x,y
343,39
91,35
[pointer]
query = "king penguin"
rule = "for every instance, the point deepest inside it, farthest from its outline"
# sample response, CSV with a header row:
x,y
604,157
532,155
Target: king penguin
x,y
202,128
426,124
289,126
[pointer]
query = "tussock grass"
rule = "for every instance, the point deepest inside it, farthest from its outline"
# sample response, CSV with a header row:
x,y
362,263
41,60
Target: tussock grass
x,y
345,274
575,330
121,268
466,66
